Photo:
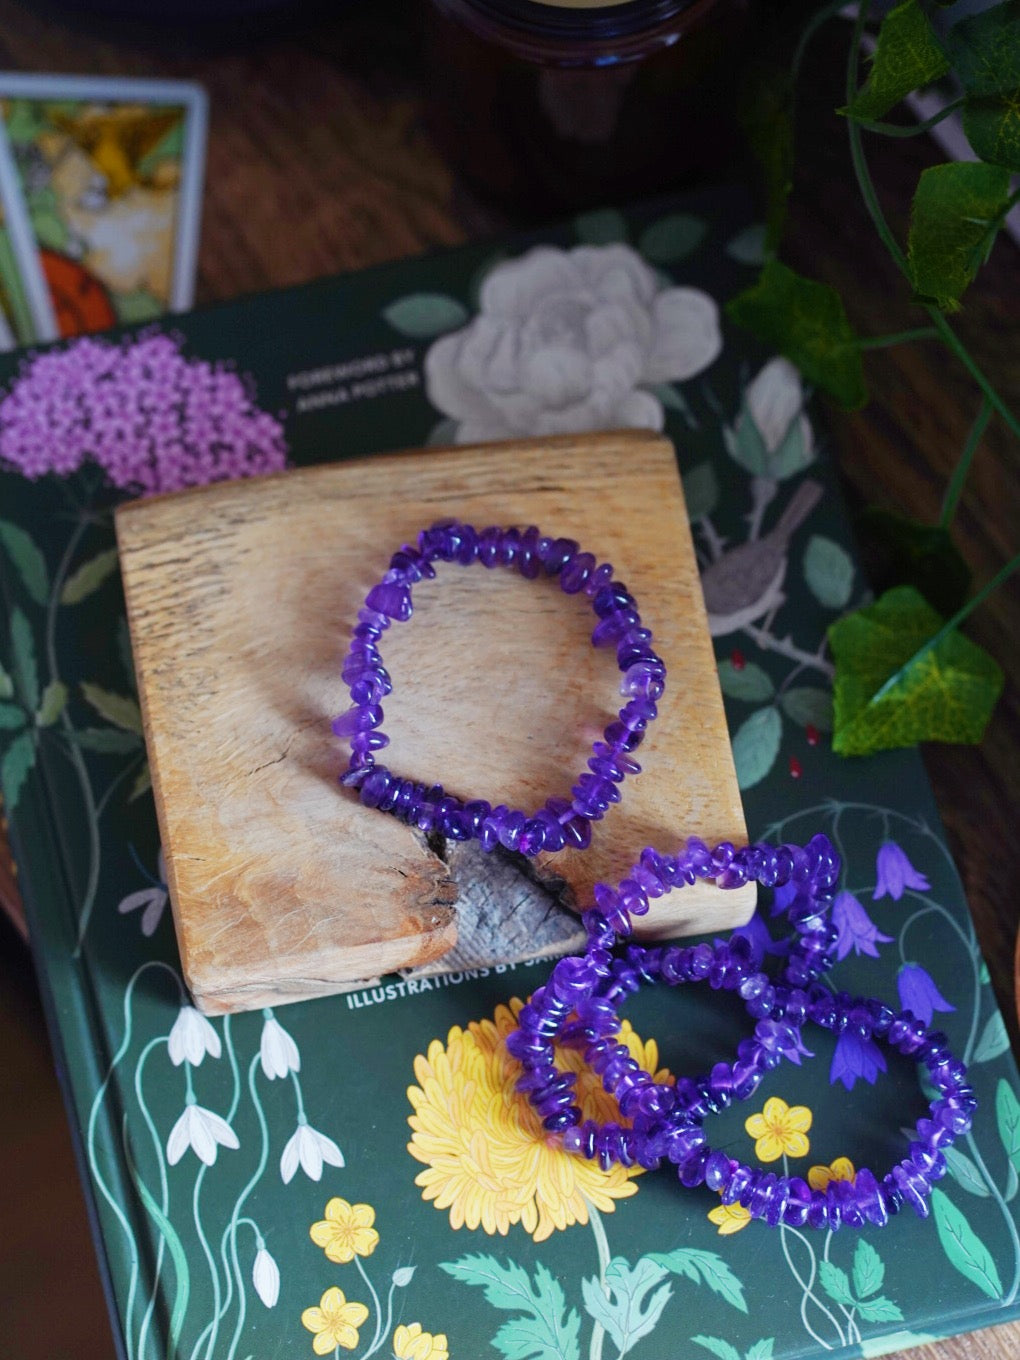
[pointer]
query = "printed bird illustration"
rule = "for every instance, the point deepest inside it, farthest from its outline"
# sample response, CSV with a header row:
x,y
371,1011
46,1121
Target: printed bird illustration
x,y
117,140
745,583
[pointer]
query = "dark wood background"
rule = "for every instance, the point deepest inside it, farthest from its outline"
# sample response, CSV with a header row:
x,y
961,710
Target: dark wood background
x,y
319,161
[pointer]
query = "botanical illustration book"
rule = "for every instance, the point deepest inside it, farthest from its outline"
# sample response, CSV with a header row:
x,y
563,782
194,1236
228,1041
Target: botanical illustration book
x,y
357,1175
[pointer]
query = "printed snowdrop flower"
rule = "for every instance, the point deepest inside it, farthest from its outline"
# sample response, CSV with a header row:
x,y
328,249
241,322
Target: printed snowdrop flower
x,y
895,873
855,1057
308,1149
856,929
203,1131
265,1276
192,1037
779,1129
568,341
150,901
918,992
774,400
277,1050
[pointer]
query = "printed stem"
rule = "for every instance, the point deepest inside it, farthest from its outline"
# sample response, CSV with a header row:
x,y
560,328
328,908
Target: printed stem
x,y
898,338
713,542
157,1143
786,647
598,1228
377,1338
235,1221
297,1096
955,488
808,1294
852,1330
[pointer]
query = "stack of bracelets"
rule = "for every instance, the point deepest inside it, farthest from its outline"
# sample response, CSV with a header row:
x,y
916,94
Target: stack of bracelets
x,y
578,1006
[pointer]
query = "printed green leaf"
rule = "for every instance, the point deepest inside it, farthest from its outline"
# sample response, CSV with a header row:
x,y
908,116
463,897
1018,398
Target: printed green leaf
x,y
26,673
628,1313
904,552
12,717
601,227
745,445
748,246
756,745
17,761
869,1271
985,50
992,127
52,704
6,685
994,1039
956,212
750,682
1012,1184
141,784
984,976
828,571
805,321
963,1248
673,400
835,1283
27,559
725,1350
879,1310
906,56
108,741
891,692
672,238
89,577
1007,1116
703,1267
420,316
119,709
403,1276
805,704
761,1350
964,1171
701,490
542,1335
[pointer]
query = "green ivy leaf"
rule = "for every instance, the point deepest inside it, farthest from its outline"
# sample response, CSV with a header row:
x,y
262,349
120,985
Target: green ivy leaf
x,y
835,1283
28,560
12,718
748,246
906,56
879,1310
701,490
52,704
954,218
672,238
904,552
963,1248
869,1271
756,745
603,227
703,1267
804,320
992,127
1007,1116
420,316
6,685
891,689
118,709
17,761
964,1171
808,705
89,577
750,682
985,50
26,673
108,741
994,1039
724,1350
829,571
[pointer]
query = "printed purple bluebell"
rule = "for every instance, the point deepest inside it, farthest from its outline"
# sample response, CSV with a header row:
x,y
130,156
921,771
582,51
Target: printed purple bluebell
x,y
855,1057
919,994
895,873
856,929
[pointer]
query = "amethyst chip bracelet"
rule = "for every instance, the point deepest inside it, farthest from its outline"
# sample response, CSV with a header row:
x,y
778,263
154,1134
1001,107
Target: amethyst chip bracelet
x,y
560,823
578,1007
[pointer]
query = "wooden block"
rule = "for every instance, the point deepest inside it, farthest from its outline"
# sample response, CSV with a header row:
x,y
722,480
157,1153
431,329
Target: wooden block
x,y
241,597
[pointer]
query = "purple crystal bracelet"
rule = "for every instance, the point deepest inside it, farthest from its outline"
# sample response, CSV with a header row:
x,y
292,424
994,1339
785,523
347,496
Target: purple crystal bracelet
x,y
561,822
579,1007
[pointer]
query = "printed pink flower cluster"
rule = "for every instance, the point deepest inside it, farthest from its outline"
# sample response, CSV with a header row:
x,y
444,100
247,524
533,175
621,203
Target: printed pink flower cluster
x,y
152,419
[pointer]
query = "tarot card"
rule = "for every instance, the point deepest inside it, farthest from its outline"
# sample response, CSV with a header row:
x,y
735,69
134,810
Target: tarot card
x,y
110,171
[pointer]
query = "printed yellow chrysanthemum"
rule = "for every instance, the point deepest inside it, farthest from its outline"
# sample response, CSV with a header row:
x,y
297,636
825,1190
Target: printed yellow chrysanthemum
x,y
779,1128
487,1158
842,1169
335,1322
729,1218
346,1231
411,1343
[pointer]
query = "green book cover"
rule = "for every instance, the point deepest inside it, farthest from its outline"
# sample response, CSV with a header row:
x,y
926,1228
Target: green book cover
x,y
355,1175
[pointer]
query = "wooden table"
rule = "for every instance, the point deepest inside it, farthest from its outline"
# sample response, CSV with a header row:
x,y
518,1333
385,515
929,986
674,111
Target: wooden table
x,y
318,162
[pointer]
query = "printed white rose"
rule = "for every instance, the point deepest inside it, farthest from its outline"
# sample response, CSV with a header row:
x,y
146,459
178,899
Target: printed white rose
x,y
774,399
308,1148
278,1052
202,1130
567,341
265,1276
192,1037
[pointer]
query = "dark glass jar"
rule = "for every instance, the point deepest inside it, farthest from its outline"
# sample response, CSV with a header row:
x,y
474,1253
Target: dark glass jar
x,y
567,103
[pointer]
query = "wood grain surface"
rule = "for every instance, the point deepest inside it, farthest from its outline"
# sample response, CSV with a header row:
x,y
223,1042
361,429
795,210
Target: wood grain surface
x,y
319,161
282,886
